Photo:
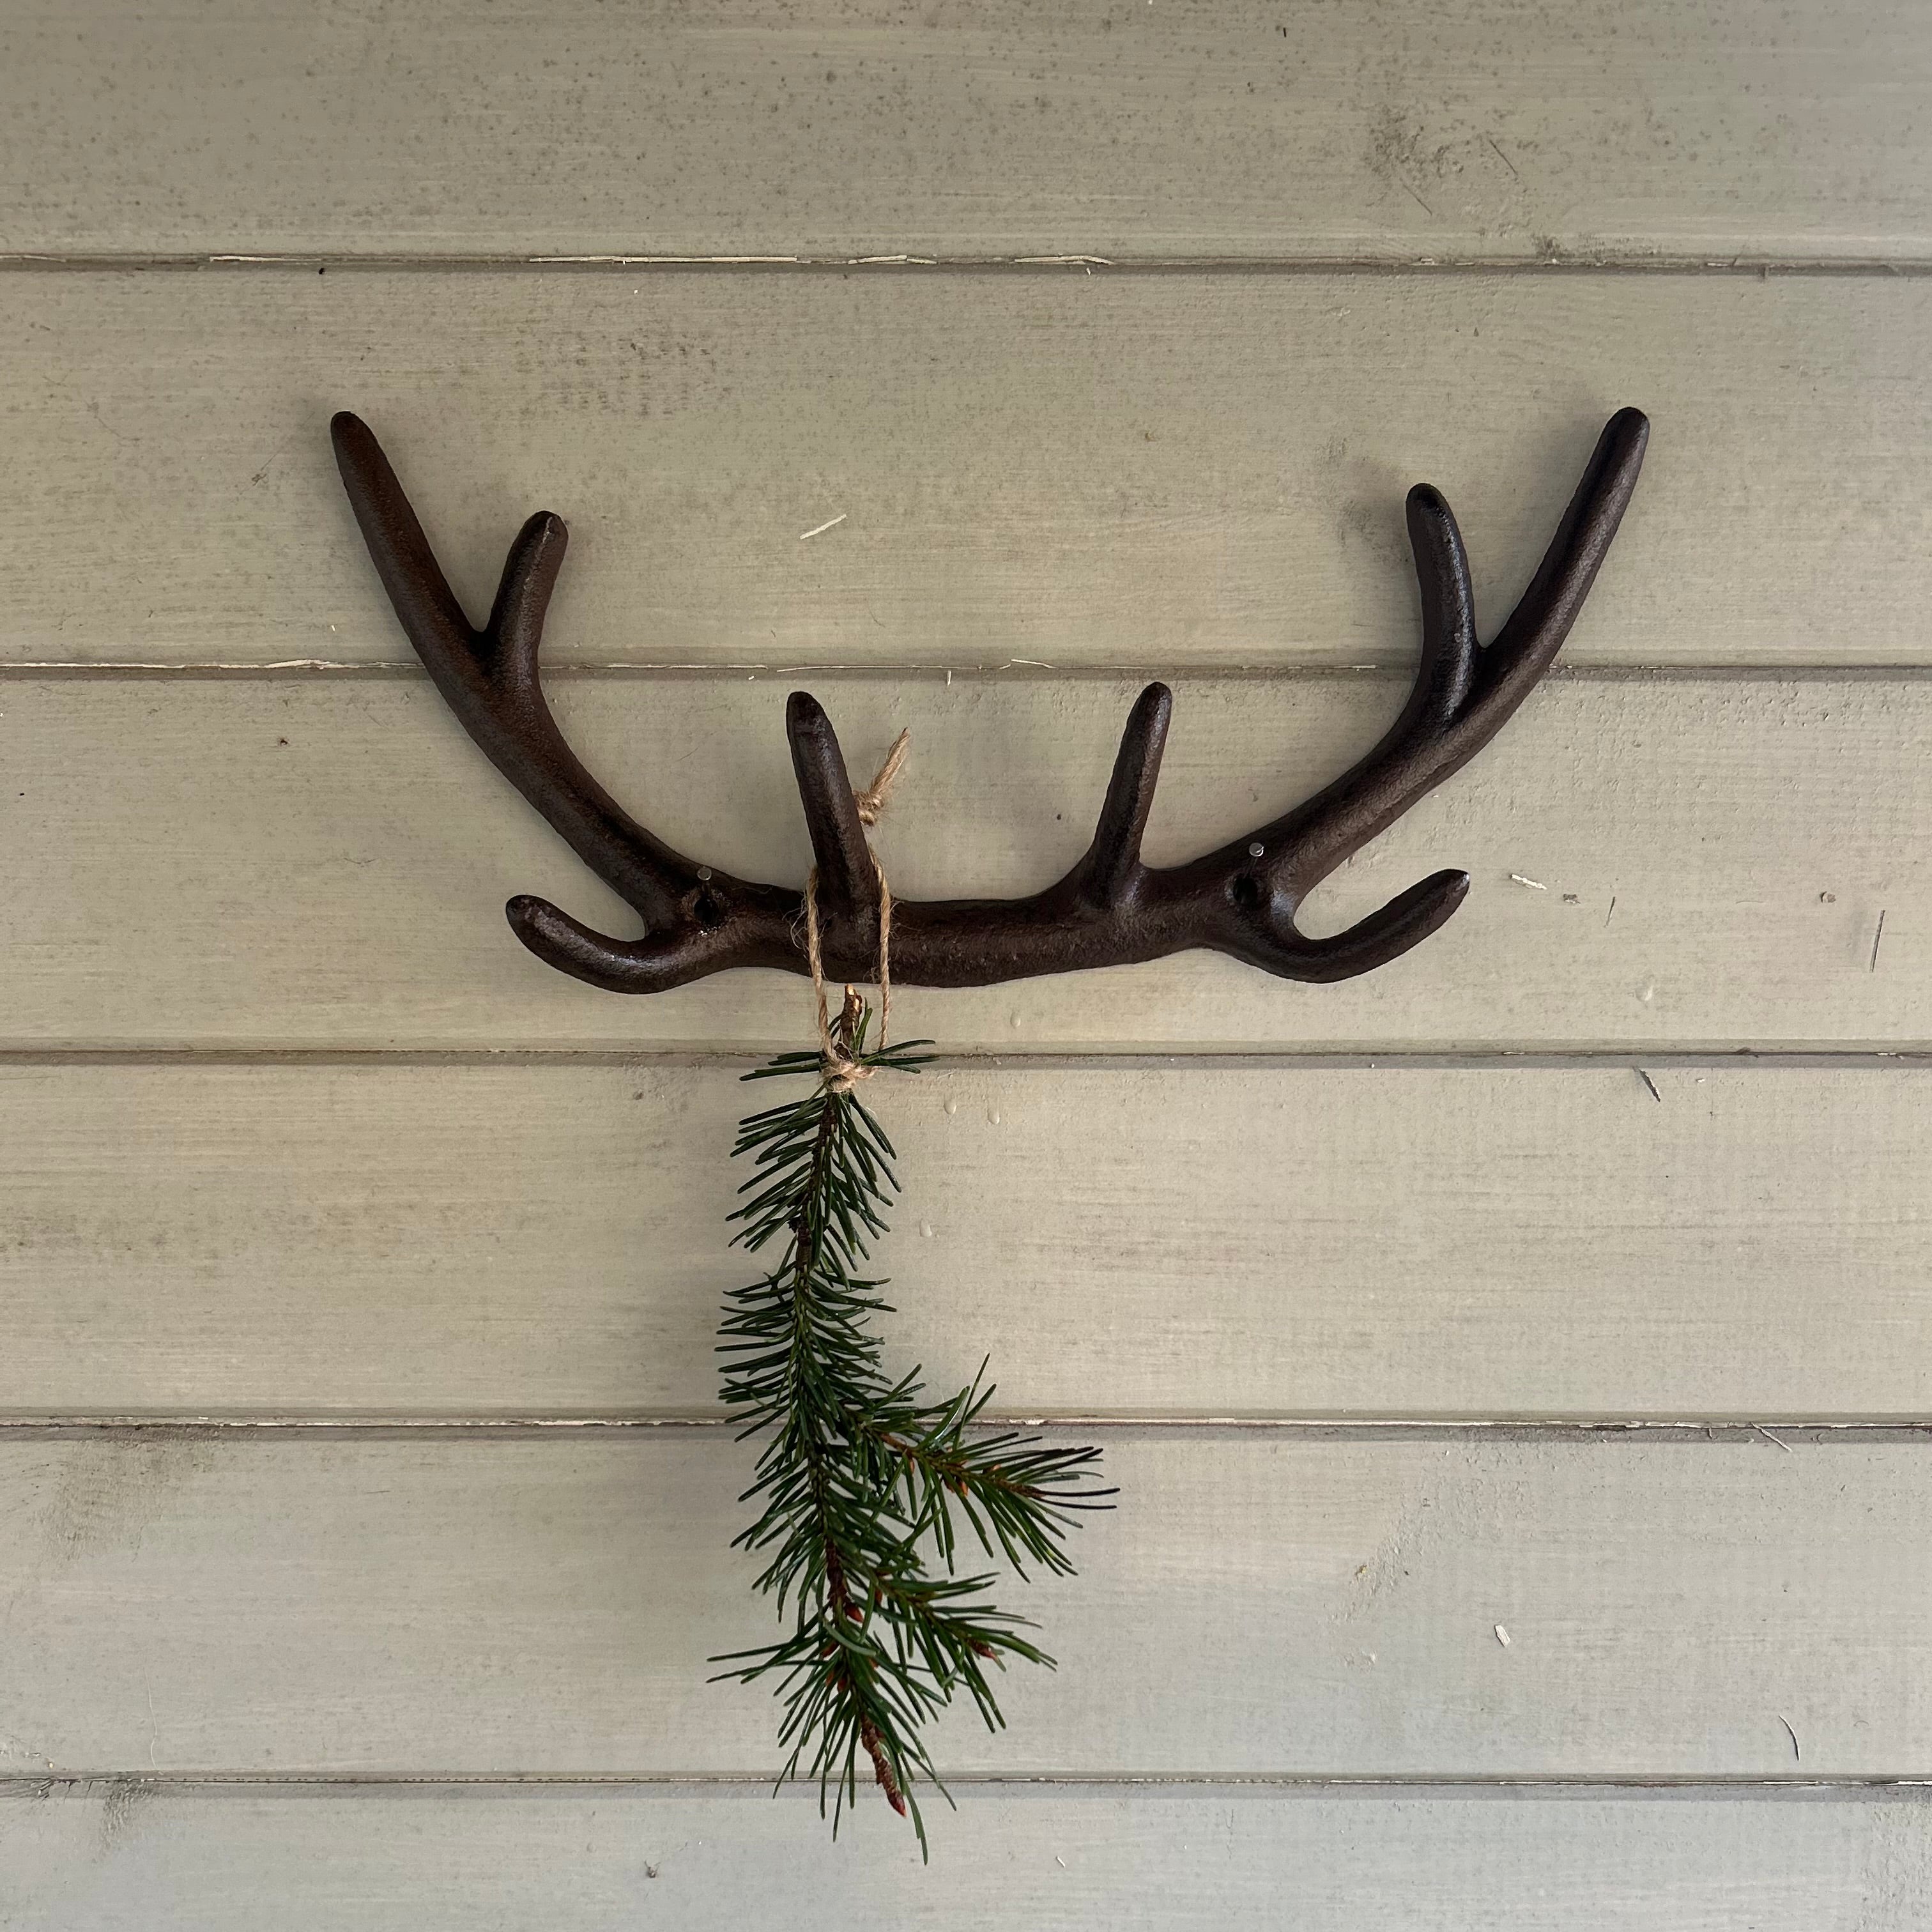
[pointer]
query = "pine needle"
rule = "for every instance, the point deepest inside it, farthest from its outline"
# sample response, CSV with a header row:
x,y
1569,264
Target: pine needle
x,y
862,1482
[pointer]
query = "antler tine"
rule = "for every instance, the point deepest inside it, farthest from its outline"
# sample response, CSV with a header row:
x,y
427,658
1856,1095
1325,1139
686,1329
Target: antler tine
x,y
1448,665
1462,697
434,621
652,965
490,680
1535,630
1113,861
1319,834
1407,920
847,882
515,633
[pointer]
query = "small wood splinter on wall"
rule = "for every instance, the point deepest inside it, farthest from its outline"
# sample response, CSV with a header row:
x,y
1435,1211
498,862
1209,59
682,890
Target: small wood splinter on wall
x,y
865,1483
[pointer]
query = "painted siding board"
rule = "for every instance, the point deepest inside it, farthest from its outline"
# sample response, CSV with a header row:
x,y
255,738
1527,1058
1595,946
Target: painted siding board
x,y
1518,129
1173,472
533,1239
307,863
133,1858
517,1604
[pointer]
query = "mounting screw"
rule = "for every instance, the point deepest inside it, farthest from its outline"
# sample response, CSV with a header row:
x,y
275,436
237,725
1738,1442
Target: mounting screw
x,y
704,873
1255,850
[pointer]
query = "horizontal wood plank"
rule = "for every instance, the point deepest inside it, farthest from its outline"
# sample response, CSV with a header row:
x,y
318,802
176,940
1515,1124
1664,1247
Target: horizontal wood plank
x,y
128,1857
406,1605
1203,471
549,1241
1676,862
1522,130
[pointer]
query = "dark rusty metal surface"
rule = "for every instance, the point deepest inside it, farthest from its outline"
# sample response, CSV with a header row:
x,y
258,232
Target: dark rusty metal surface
x,y
1111,909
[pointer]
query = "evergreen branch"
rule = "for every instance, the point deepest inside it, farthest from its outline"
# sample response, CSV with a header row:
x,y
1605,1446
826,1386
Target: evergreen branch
x,y
859,1476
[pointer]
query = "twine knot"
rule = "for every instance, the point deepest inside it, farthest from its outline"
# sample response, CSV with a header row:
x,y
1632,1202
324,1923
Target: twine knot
x,y
842,1071
871,801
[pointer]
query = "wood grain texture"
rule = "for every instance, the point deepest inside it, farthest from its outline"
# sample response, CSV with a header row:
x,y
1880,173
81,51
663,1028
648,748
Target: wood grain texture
x,y
1516,128
128,1857
548,1240
324,863
413,1605
1173,472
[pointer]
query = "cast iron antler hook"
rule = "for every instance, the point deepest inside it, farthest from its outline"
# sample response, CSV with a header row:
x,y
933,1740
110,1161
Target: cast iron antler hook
x,y
1111,909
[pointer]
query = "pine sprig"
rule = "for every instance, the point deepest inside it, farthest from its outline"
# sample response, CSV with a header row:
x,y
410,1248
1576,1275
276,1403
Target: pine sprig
x,y
862,1479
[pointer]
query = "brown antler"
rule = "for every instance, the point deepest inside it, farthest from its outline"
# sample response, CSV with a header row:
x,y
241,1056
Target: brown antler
x,y
1111,909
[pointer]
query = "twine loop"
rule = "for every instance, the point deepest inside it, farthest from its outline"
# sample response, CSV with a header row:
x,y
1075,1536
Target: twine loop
x,y
842,1071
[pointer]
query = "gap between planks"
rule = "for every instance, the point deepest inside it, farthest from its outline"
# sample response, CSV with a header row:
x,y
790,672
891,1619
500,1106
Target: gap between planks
x,y
1556,260
1047,1059
1789,1786
1787,1432
1398,669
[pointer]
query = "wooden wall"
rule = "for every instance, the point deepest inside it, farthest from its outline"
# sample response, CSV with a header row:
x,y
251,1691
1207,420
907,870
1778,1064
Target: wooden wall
x,y
364,1510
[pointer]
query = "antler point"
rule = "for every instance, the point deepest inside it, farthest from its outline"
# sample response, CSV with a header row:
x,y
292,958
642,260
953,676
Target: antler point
x,y
350,435
1155,703
846,877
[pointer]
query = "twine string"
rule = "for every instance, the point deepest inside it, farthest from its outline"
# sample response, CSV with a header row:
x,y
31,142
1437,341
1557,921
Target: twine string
x,y
842,1071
